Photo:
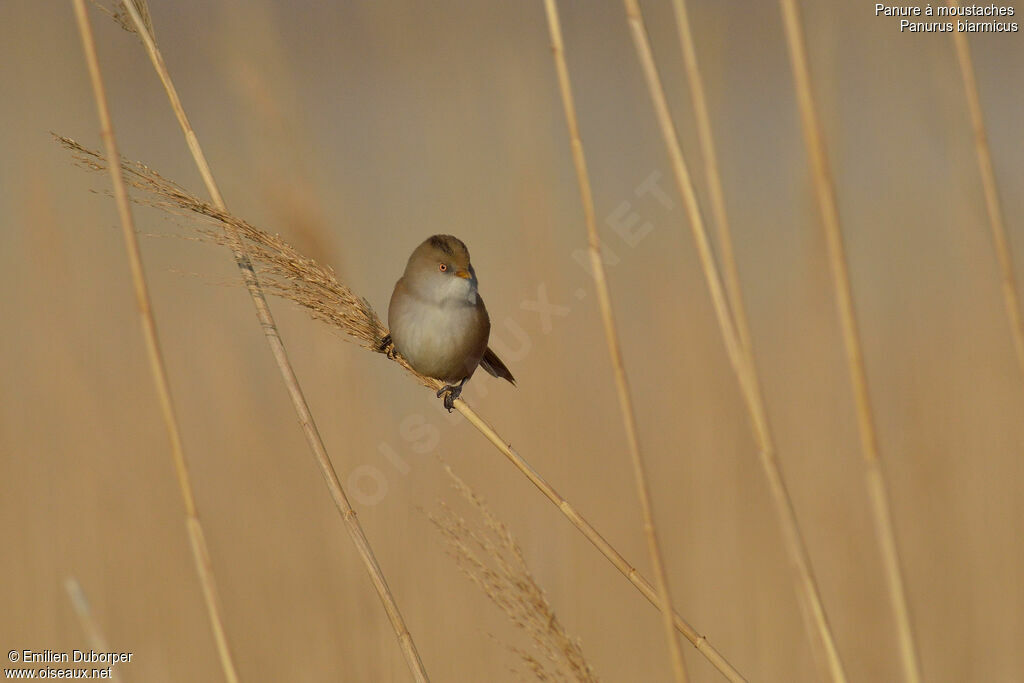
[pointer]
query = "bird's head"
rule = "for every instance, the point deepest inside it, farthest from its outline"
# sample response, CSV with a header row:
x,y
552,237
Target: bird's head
x,y
439,270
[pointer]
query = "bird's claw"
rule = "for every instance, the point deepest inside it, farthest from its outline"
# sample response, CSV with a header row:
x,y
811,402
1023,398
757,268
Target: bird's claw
x,y
450,392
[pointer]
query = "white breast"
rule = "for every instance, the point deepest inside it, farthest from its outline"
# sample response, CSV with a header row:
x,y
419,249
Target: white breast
x,y
438,341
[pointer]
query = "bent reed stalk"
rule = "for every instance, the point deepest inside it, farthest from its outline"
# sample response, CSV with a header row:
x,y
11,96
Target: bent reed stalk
x,y
200,550
288,274
611,334
144,28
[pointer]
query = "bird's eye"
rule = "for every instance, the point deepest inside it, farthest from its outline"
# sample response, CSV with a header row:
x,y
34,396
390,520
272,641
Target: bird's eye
x,y
443,267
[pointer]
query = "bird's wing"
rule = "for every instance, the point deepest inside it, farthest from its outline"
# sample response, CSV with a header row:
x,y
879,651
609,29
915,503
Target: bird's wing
x,y
493,365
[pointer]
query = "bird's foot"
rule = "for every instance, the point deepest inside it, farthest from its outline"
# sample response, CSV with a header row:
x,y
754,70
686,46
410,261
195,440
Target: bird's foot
x,y
387,347
450,392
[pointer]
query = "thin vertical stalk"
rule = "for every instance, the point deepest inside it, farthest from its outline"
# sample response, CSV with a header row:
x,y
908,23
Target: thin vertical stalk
x,y
743,365
825,191
291,382
612,338
156,363
1000,243
714,178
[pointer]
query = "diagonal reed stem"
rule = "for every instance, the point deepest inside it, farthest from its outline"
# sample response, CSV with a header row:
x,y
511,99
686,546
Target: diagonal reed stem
x,y
1000,243
291,382
825,190
200,551
741,358
612,338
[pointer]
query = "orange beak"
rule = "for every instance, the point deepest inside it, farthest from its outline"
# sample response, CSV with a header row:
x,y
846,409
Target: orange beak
x,y
464,274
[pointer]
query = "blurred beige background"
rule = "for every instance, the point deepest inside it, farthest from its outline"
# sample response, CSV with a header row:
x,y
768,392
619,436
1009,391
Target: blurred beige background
x,y
356,130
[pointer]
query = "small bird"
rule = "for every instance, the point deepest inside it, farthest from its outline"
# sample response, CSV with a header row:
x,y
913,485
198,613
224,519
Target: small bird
x,y
438,320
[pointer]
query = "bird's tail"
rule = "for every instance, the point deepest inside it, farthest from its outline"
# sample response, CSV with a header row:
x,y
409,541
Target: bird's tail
x,y
493,365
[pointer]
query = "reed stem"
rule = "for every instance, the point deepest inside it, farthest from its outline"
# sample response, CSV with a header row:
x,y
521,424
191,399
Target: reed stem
x,y
825,190
200,551
612,338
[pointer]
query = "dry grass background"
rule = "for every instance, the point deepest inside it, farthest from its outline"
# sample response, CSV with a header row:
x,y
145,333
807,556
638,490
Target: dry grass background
x,y
356,130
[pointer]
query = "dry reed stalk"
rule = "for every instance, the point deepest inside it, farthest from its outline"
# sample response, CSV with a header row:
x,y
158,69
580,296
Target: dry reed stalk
x,y
156,363
1000,243
742,361
612,338
143,27
714,178
825,191
290,275
489,555
92,630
